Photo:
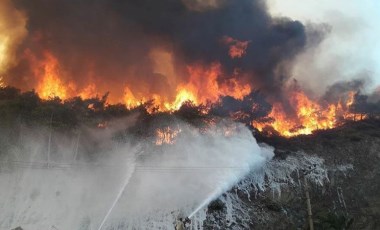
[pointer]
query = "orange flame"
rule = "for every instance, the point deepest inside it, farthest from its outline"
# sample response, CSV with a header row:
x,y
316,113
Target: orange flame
x,y
130,100
205,85
51,85
309,116
89,91
202,87
2,84
182,96
50,79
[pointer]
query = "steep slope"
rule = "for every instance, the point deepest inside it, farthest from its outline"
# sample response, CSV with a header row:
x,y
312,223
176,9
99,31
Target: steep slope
x,y
344,184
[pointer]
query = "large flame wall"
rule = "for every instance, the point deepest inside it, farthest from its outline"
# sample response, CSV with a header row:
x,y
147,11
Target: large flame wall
x,y
167,51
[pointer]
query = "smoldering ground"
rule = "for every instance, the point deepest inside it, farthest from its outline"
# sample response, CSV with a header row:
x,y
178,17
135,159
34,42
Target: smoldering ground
x,y
70,193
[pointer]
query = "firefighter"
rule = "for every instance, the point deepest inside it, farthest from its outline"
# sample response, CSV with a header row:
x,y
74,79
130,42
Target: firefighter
x,y
179,225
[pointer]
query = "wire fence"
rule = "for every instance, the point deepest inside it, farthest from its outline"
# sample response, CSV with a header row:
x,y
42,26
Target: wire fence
x,y
64,166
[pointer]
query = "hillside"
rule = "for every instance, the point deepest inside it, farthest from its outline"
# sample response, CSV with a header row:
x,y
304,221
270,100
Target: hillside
x,y
344,187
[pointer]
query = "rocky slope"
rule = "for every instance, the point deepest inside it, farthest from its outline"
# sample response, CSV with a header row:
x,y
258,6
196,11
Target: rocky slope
x,y
344,185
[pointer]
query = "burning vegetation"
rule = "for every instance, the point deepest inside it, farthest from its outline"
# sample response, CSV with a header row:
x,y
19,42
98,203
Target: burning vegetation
x,y
252,110
308,116
173,64
166,135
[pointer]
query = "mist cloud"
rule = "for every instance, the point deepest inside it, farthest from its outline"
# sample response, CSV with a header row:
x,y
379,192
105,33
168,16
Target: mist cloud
x,y
161,180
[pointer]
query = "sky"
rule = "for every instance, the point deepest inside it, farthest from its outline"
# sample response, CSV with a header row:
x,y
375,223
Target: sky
x,y
351,48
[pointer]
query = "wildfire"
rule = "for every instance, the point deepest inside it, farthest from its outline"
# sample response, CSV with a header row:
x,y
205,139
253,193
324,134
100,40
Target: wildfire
x,y
166,135
12,32
50,79
89,91
201,88
309,116
50,85
182,96
205,85
2,84
2,54
130,100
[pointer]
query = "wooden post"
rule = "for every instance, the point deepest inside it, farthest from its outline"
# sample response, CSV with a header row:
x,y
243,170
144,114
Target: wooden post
x,y
76,147
49,145
309,213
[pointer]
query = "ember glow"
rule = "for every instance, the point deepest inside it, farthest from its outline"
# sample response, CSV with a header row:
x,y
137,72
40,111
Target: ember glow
x,y
166,135
1,82
237,48
102,125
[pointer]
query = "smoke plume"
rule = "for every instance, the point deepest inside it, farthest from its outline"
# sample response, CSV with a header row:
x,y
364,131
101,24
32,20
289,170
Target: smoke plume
x,y
109,45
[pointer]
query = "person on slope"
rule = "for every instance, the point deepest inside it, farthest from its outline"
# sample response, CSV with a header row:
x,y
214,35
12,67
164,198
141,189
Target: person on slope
x,y
179,225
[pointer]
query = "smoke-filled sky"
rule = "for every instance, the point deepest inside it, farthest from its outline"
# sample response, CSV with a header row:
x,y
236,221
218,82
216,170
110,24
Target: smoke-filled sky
x,y
141,49
114,44
351,49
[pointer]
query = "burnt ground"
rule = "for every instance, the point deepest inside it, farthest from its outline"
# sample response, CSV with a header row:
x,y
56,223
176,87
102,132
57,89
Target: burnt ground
x,y
349,198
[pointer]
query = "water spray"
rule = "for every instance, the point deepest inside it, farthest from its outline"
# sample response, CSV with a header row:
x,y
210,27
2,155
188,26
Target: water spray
x,y
122,189
222,187
209,198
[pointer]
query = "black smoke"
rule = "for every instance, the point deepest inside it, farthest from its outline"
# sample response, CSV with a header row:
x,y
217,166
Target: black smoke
x,y
335,92
113,39
366,105
251,107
